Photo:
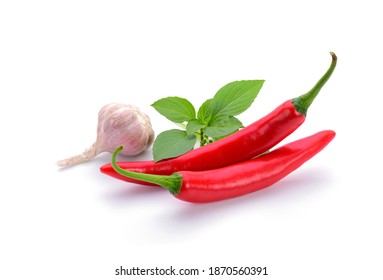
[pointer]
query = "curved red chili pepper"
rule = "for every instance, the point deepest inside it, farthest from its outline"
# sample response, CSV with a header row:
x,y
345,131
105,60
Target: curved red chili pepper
x,y
237,179
245,144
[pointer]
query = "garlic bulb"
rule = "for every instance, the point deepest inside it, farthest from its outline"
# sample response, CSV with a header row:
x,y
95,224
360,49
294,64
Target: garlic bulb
x,y
118,124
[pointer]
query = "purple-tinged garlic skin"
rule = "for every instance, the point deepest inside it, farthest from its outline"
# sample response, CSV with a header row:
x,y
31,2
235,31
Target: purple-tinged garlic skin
x,y
118,124
126,125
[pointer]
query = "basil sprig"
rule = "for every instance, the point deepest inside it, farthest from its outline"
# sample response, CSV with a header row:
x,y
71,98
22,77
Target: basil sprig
x,y
214,120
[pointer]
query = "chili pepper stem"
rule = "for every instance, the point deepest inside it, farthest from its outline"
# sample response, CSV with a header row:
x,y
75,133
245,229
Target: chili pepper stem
x,y
172,182
303,102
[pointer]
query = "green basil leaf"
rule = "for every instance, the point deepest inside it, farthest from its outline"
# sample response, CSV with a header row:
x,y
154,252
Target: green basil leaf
x,y
172,143
235,97
222,126
176,109
193,126
206,111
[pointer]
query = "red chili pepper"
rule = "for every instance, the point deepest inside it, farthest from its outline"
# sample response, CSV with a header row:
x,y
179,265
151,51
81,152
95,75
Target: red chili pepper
x,y
245,144
237,179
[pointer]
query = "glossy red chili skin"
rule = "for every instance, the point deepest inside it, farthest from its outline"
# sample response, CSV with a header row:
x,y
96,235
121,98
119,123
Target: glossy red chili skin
x,y
245,144
252,175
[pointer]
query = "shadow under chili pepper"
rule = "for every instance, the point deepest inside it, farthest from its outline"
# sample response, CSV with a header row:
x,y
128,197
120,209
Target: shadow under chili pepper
x,y
133,194
191,217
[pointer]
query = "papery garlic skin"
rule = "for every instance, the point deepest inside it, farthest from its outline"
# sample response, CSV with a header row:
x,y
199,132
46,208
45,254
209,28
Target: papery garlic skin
x,y
118,124
126,125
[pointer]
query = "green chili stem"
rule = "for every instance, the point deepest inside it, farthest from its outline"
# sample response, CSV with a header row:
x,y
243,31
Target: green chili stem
x,y
172,182
303,102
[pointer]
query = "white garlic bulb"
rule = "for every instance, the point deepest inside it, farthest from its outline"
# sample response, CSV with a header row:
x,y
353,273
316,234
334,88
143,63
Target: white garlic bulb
x,y
118,124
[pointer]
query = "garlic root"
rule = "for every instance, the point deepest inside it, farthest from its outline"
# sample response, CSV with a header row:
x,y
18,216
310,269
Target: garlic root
x,y
85,156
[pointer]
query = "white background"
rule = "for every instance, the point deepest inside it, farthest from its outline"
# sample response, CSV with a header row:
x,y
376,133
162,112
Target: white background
x,y
60,61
